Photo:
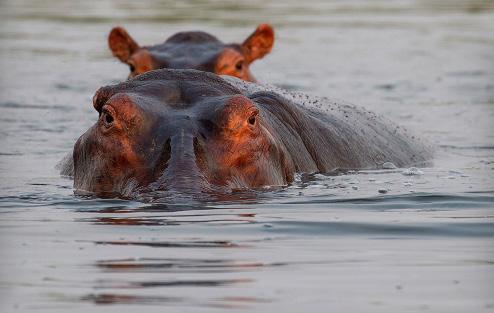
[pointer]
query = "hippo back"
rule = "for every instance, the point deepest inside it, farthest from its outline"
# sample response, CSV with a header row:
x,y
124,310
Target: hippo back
x,y
324,135
194,131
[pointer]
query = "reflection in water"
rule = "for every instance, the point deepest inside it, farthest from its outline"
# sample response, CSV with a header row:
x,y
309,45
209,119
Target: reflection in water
x,y
183,244
225,302
105,284
106,298
161,221
181,265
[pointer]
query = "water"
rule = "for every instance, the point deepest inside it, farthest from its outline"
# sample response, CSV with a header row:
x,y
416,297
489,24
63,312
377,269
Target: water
x,y
368,241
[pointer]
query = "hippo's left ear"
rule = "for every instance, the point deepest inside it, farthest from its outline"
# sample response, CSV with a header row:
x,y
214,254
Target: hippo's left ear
x,y
259,43
121,44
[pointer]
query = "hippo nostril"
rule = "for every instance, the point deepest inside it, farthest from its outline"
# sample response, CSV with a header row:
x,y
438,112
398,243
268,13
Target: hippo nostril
x,y
202,136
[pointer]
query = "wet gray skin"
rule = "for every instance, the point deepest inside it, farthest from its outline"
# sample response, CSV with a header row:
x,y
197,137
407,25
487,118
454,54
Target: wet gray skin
x,y
191,131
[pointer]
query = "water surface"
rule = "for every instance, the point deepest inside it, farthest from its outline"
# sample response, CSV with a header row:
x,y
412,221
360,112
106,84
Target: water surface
x,y
369,241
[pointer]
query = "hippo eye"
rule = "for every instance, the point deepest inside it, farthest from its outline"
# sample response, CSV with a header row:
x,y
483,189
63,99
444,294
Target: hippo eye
x,y
252,119
107,119
239,65
132,67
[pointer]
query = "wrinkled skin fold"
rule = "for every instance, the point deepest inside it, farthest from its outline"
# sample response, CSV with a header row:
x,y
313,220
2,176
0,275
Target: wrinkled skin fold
x,y
193,132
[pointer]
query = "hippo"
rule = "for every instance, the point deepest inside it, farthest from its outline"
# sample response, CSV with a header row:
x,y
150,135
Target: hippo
x,y
191,132
193,50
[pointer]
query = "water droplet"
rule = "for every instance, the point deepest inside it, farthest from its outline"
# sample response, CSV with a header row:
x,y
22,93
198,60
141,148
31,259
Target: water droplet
x,y
412,171
388,166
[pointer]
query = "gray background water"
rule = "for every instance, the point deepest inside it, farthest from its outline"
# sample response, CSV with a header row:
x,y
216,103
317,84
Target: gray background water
x,y
326,243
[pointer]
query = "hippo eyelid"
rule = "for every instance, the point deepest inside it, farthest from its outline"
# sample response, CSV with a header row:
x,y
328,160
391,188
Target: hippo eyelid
x,y
108,116
254,111
108,109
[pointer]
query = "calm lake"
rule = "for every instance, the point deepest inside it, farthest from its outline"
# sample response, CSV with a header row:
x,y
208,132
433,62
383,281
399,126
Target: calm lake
x,y
367,241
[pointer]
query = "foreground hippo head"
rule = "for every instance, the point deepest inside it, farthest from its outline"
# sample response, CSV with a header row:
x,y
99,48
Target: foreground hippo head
x,y
184,130
191,131
193,50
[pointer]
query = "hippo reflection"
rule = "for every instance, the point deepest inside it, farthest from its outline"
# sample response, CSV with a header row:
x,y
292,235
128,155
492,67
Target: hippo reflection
x,y
190,131
193,50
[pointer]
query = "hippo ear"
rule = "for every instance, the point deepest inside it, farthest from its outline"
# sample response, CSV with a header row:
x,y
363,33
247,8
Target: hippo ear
x,y
121,44
259,43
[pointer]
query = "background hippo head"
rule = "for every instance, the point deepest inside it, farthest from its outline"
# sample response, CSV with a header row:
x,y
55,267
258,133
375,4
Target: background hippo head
x,y
193,50
182,130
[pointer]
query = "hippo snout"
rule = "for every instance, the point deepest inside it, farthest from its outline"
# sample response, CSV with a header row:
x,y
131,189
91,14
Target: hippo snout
x,y
183,170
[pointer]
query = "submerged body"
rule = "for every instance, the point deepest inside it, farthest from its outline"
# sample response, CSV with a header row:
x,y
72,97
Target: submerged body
x,y
194,131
